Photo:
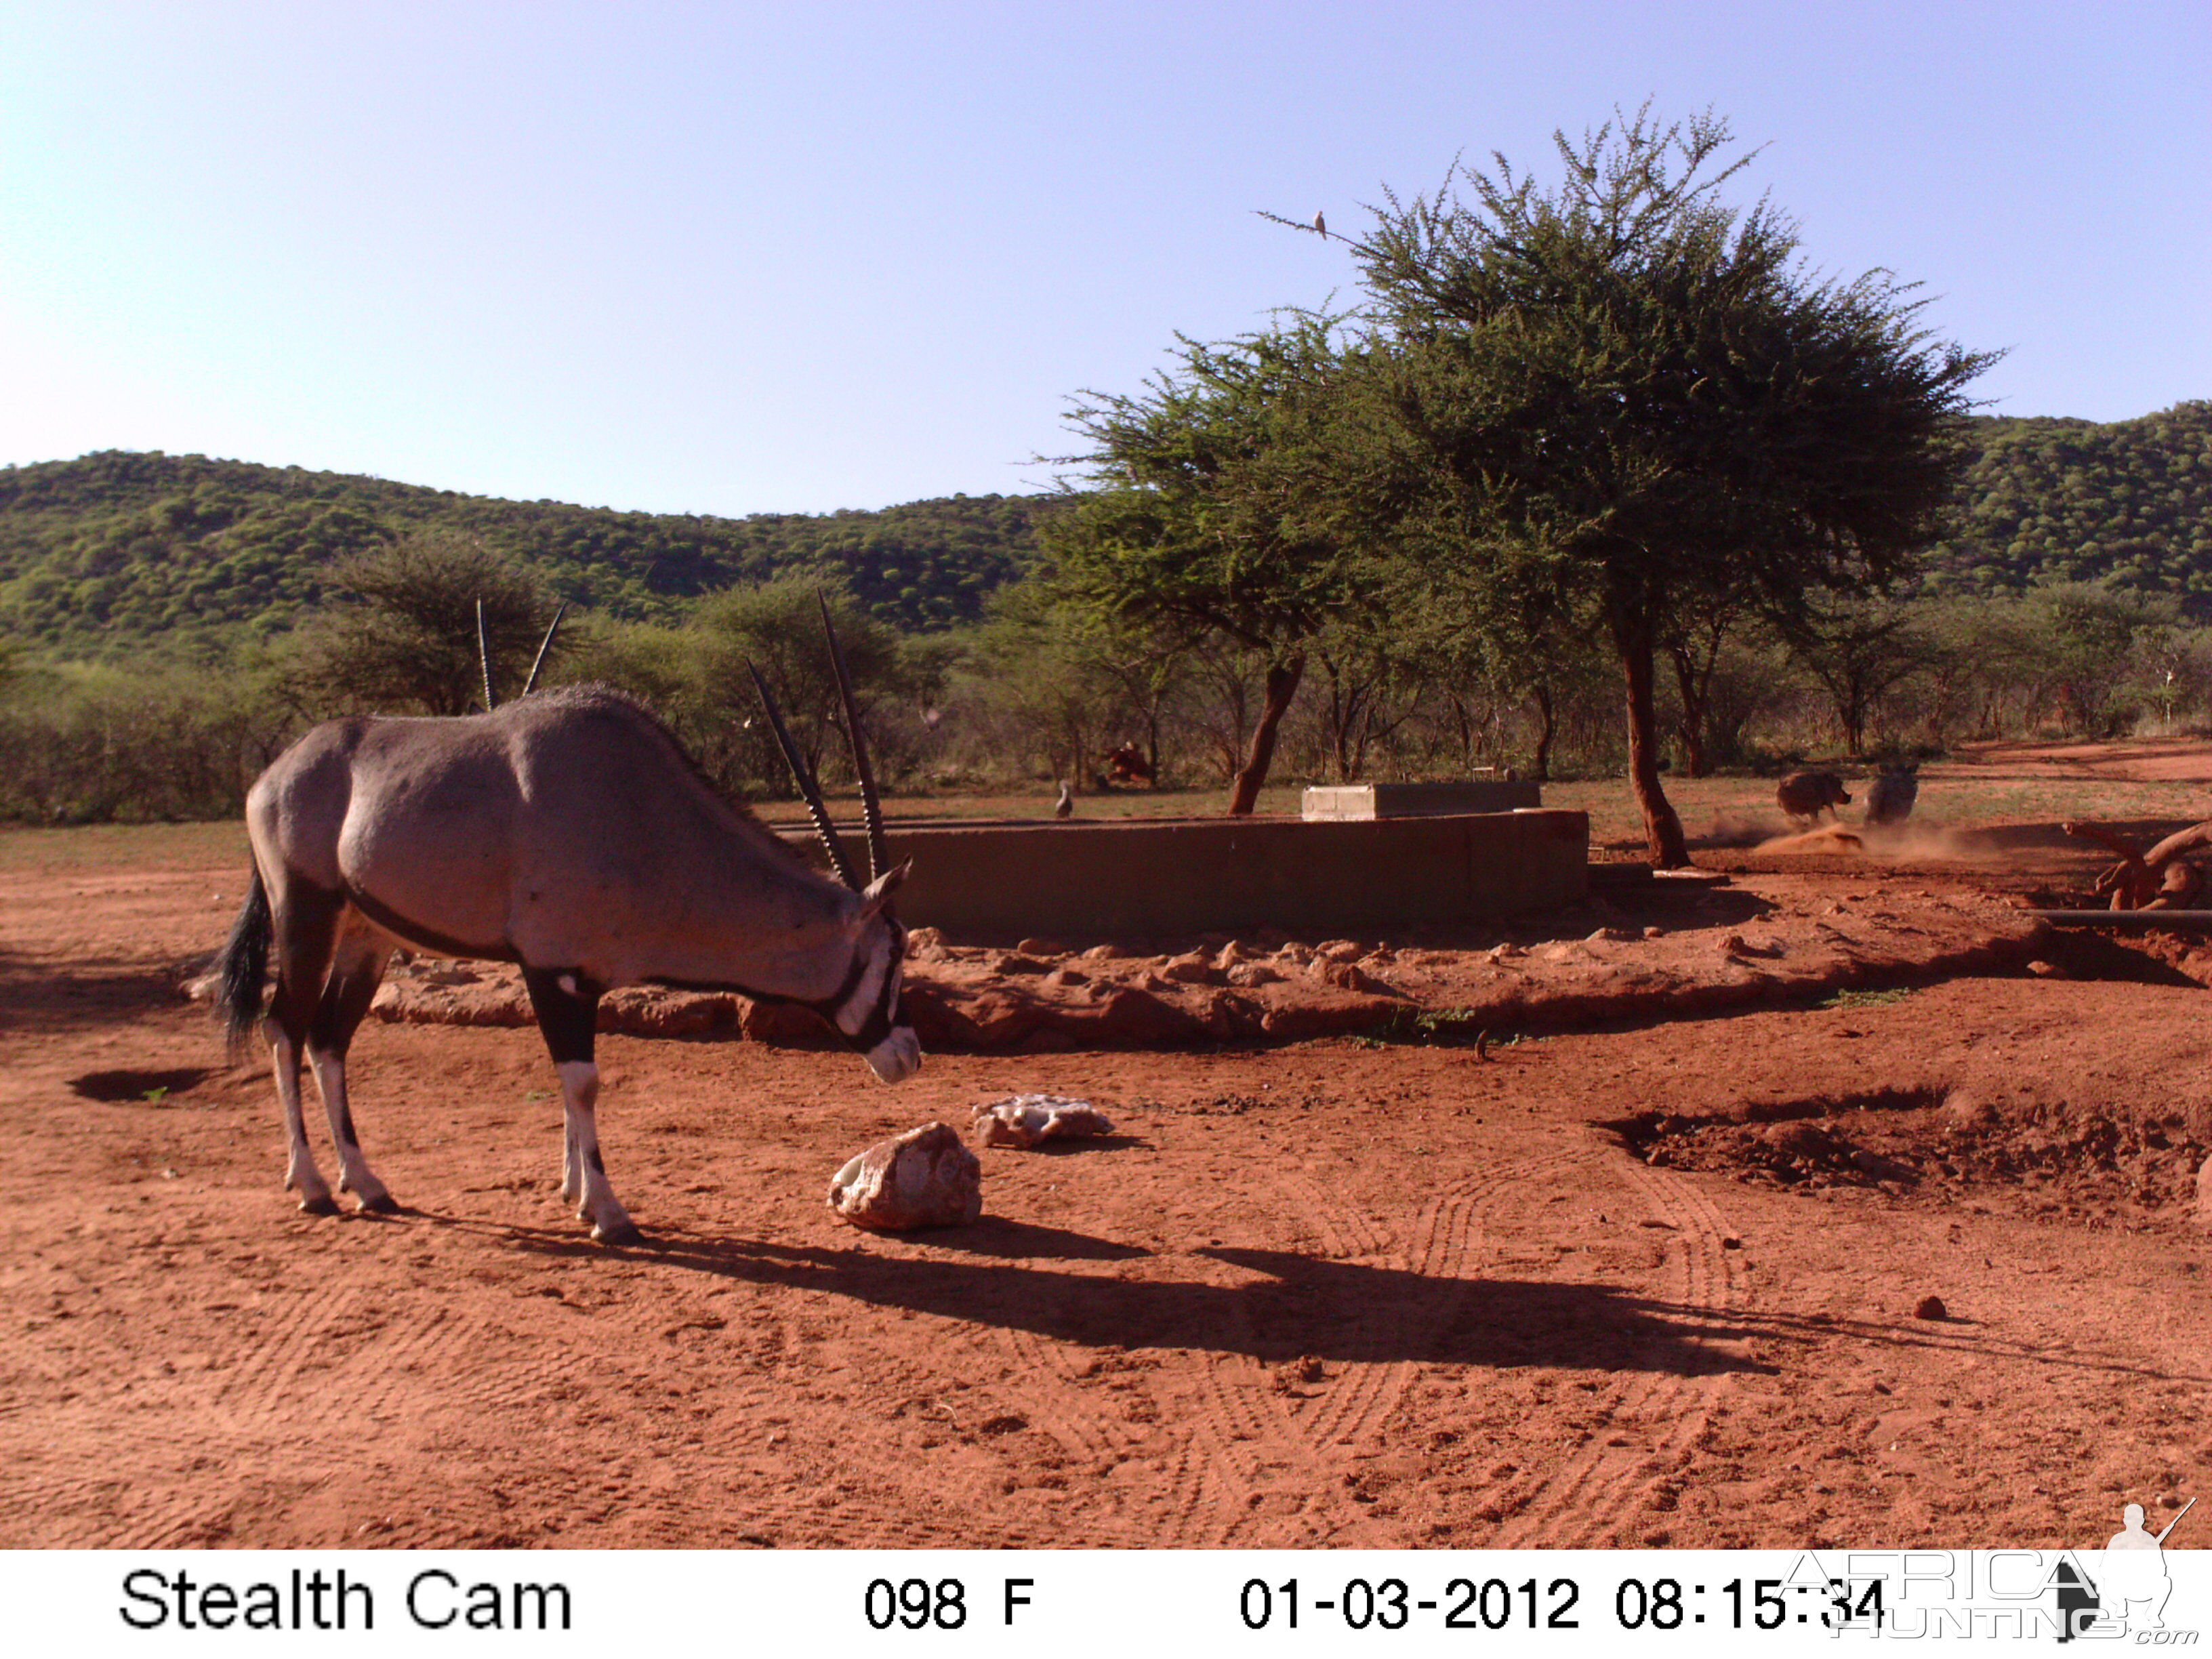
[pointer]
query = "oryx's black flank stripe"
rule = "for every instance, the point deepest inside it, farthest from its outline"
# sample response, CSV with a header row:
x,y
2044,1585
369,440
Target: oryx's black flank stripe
x,y
881,1021
428,938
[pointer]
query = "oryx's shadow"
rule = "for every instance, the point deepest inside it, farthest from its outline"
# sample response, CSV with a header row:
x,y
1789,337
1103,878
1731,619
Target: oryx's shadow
x,y
1304,1306
995,1235
89,990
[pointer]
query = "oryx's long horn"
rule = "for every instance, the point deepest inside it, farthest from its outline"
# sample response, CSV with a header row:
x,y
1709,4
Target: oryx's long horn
x,y
543,645
483,658
871,813
805,779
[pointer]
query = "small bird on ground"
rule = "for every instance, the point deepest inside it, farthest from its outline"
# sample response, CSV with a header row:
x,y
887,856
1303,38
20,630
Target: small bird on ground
x,y
1321,225
1066,808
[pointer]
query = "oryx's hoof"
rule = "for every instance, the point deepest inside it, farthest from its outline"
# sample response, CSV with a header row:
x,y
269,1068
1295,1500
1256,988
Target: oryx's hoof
x,y
623,1232
382,1204
319,1204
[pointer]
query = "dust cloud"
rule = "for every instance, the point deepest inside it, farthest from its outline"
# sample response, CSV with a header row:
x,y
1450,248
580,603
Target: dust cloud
x,y
1890,843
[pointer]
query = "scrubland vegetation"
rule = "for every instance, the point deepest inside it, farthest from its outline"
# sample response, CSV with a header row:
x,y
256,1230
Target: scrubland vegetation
x,y
1038,690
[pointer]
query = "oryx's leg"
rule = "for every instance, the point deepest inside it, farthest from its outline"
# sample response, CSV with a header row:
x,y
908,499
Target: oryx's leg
x,y
300,1175
567,1009
306,920
356,969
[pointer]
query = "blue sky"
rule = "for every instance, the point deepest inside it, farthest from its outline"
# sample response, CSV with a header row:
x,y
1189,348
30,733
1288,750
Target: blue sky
x,y
730,259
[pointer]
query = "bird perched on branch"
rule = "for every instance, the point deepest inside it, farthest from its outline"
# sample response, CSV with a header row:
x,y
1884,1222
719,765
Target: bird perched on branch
x,y
1321,225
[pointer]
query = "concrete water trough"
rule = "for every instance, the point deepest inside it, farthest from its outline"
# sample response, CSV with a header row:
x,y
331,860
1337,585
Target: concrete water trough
x,y
1148,878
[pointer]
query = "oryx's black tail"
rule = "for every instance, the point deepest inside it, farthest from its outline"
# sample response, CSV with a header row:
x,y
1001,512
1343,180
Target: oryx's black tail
x,y
243,965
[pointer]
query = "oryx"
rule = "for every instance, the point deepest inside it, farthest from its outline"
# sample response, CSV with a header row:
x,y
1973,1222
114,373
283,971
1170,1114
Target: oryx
x,y
566,832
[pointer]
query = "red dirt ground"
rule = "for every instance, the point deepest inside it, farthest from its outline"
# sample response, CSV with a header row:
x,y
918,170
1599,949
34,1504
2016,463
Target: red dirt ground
x,y
1649,1281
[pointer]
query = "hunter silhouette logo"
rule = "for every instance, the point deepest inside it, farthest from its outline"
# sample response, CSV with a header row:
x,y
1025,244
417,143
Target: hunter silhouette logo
x,y
2126,1586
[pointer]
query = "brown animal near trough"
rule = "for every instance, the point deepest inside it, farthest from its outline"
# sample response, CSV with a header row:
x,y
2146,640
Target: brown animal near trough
x,y
1803,796
1889,798
1128,764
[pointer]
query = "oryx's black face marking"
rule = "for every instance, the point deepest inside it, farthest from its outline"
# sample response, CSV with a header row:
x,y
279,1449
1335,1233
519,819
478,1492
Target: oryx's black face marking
x,y
867,1006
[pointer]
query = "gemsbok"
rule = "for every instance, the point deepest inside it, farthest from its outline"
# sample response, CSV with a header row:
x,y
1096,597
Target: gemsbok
x,y
566,832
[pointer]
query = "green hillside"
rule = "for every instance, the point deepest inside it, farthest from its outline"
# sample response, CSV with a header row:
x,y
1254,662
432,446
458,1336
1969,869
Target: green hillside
x,y
100,553
2077,501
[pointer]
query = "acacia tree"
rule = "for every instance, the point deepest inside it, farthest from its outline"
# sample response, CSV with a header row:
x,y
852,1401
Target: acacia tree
x,y
1700,631
408,640
1036,667
1199,514
777,627
1632,395
1860,649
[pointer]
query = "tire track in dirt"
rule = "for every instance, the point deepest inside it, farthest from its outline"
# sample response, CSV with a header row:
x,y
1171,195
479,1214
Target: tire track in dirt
x,y
375,1381
1204,1457
1445,1242
1583,1503
254,1392
74,1511
244,1421
1259,1433
1053,1400
99,1509
239,1422
1022,1377
1362,1392
1261,1466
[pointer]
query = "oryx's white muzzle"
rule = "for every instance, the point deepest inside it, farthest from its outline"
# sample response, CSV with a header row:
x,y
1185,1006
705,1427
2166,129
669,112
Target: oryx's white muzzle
x,y
898,1056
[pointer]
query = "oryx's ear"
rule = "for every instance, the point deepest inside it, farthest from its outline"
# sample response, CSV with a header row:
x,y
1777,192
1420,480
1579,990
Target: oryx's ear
x,y
877,893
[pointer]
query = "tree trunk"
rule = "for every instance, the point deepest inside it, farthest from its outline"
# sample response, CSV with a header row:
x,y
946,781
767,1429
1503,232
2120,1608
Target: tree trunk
x,y
1695,682
1697,762
1282,685
1464,720
1547,724
1663,830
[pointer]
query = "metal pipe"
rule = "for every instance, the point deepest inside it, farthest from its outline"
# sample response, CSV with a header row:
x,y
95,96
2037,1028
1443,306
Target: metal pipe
x,y
2131,922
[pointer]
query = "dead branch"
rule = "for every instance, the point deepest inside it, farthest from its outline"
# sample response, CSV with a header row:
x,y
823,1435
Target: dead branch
x,y
2159,879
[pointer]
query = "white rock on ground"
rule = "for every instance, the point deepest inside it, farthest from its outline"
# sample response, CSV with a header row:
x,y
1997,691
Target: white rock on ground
x,y
1024,1119
925,1177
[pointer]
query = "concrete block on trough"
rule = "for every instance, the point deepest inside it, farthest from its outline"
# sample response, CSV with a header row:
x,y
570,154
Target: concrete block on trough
x,y
1330,803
